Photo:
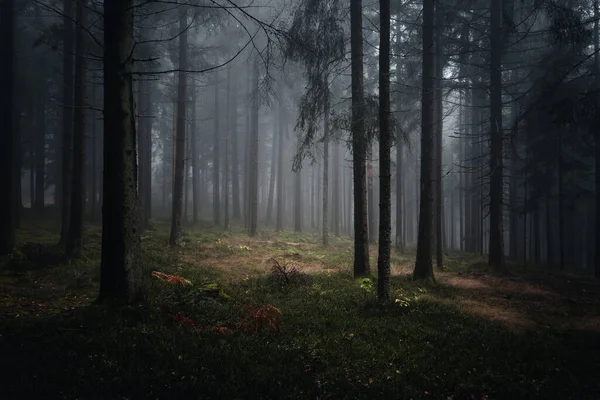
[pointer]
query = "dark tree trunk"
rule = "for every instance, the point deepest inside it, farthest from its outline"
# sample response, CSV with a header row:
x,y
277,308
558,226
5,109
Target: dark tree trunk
x,y
74,245
94,188
7,126
273,173
40,155
235,168
227,139
121,269
216,159
179,162
145,151
385,170
423,266
439,121
67,134
359,144
496,239
326,171
371,198
253,155
337,206
195,171
596,135
298,200
281,120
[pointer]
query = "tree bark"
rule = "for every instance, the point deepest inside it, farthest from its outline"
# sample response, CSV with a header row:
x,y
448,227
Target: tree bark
x,y
281,119
496,238
273,172
423,266
439,127
74,245
7,126
337,206
596,135
385,161
326,171
359,144
67,117
216,159
227,140
40,156
179,162
253,155
121,269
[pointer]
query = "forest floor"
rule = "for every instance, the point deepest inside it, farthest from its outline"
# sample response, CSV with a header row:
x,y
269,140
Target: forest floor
x,y
307,329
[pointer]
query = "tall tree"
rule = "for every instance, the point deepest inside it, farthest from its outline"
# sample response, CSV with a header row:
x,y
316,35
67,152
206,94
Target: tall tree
x,y
75,233
227,140
195,171
179,162
439,122
359,143
326,170
40,153
67,119
385,144
423,266
7,125
281,120
121,276
253,153
216,159
596,133
496,243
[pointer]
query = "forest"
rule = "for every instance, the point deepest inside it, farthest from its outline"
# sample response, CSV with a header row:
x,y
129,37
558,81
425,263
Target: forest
x,y
300,199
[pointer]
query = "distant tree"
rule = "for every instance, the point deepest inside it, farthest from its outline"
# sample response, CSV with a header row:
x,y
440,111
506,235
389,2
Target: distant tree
x,y
253,152
496,245
67,117
216,159
385,144
121,275
7,126
179,164
74,245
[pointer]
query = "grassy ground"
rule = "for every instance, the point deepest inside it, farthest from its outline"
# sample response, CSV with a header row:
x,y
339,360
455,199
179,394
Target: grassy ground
x,y
251,332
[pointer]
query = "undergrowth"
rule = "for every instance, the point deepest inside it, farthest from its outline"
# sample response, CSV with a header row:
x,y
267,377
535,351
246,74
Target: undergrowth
x,y
279,332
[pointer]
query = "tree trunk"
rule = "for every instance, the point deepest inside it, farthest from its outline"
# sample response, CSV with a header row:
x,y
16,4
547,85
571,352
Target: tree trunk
x,y
359,144
216,159
194,152
281,118
145,151
439,121
67,134
40,155
74,245
337,206
121,269
594,128
7,126
326,134
179,162
273,172
423,266
385,170
371,197
253,155
227,139
496,238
